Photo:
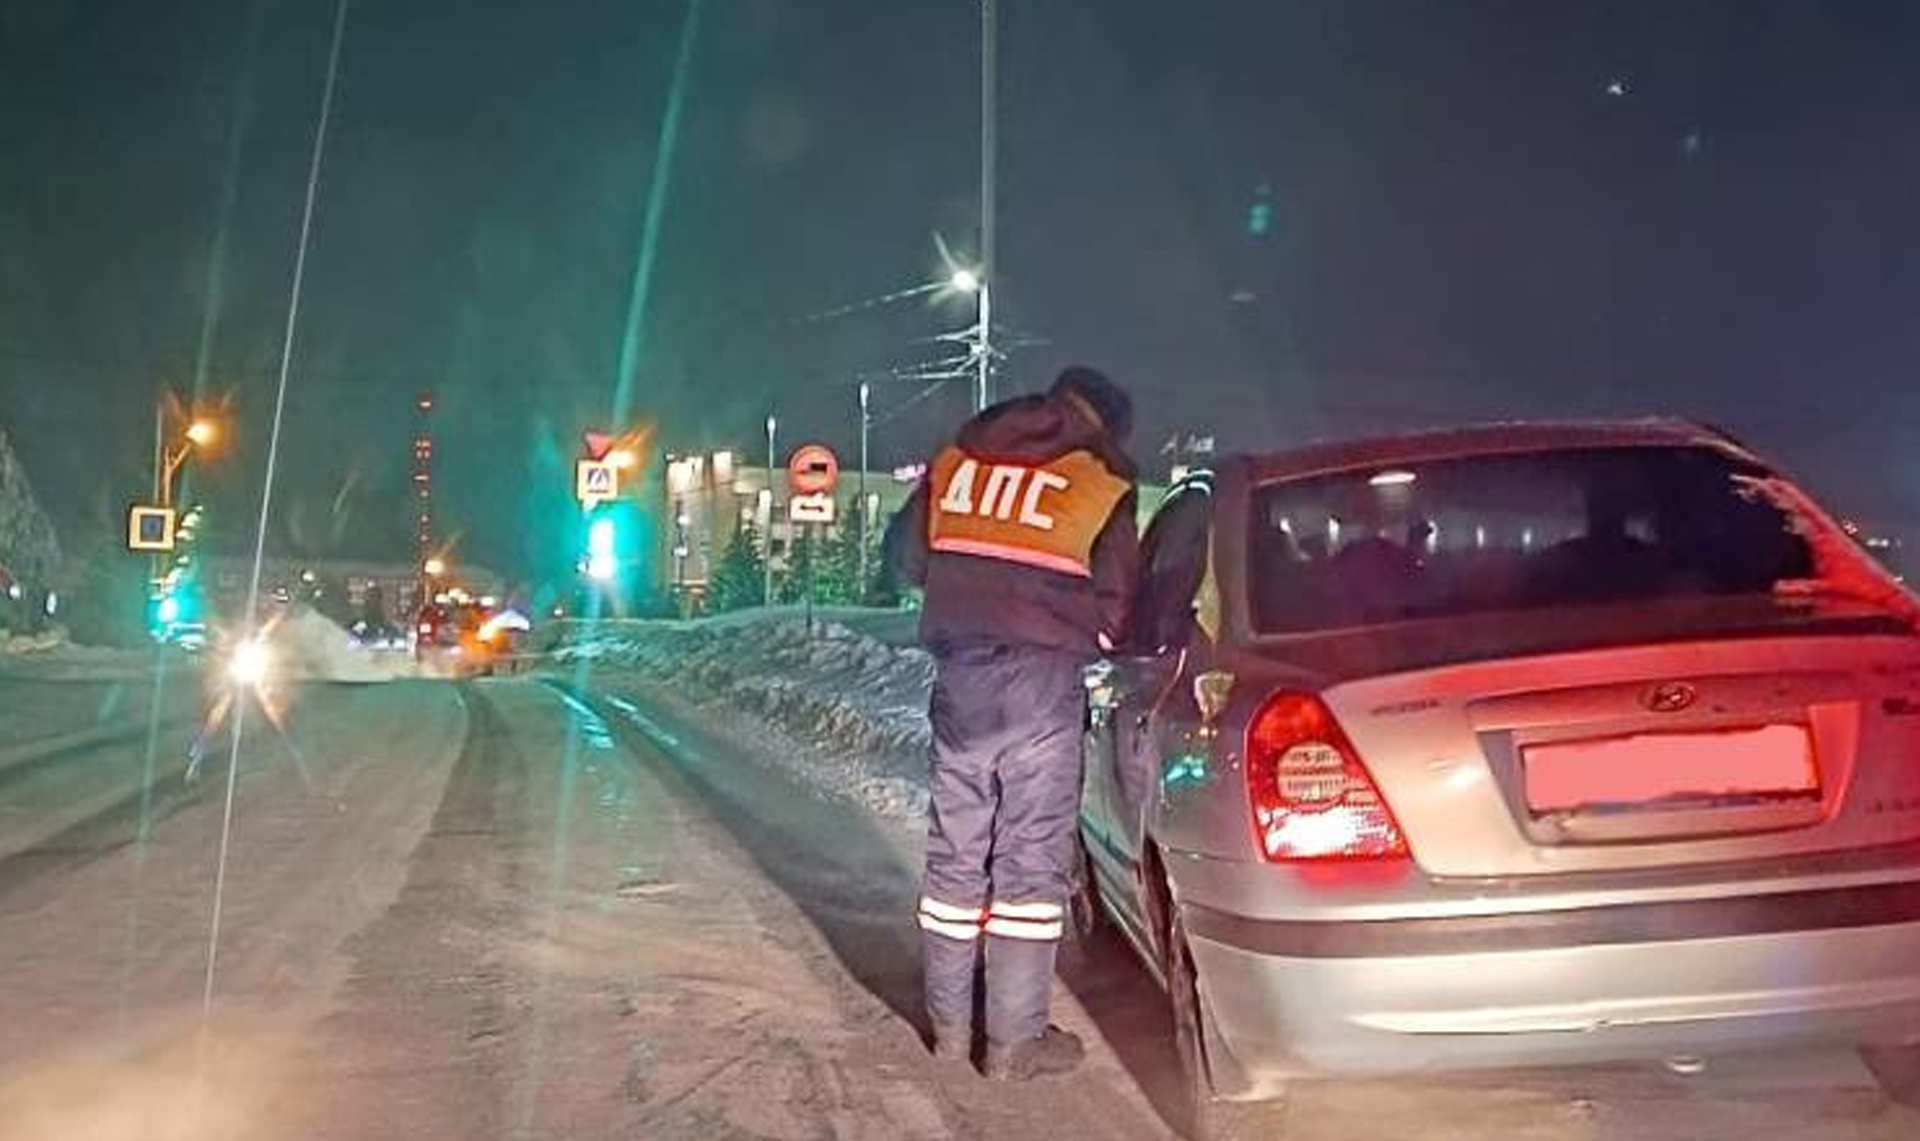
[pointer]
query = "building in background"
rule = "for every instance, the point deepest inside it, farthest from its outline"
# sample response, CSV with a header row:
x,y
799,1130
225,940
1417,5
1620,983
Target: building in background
x,y
394,590
707,497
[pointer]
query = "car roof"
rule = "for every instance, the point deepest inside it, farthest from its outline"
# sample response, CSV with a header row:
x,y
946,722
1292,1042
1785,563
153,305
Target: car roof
x,y
1484,439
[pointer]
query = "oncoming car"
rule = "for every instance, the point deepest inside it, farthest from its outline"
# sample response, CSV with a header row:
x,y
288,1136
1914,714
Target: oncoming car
x,y
464,636
1504,746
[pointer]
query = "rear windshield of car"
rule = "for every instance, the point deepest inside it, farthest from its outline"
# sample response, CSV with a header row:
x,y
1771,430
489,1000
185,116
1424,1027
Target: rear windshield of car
x,y
1516,532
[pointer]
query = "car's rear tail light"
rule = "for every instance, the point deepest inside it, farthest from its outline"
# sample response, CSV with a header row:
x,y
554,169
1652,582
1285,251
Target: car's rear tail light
x,y
1312,797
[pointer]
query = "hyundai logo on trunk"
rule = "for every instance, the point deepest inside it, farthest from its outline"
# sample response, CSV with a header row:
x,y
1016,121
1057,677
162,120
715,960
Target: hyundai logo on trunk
x,y
1669,697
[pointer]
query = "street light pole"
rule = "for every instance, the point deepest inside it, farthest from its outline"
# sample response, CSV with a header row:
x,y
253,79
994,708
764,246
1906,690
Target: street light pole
x,y
983,383
989,160
174,461
159,442
159,459
199,434
766,559
860,484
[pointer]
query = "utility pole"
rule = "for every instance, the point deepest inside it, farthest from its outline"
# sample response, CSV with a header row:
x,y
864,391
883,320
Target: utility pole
x,y
989,160
766,560
159,443
159,460
860,485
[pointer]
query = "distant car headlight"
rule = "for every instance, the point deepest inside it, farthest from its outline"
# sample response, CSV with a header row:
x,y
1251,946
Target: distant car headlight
x,y
249,663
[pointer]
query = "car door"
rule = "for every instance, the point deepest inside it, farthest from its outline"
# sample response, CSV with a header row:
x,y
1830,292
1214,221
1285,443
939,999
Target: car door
x,y
1128,687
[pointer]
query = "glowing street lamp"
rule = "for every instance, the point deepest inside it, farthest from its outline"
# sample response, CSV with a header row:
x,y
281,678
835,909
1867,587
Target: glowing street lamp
x,y
434,567
201,433
973,282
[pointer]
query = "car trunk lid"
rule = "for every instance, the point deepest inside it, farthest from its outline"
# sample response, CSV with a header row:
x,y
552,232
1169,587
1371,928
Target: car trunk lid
x,y
1800,739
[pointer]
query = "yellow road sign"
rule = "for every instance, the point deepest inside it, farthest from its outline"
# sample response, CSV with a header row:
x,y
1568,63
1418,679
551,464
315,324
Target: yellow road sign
x,y
150,528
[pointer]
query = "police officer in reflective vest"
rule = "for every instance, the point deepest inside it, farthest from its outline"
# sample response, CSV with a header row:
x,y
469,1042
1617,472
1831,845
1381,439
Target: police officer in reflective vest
x,y
1023,535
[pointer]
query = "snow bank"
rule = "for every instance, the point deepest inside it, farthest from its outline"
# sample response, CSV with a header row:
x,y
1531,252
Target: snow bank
x,y
11,643
50,657
303,646
854,704
307,646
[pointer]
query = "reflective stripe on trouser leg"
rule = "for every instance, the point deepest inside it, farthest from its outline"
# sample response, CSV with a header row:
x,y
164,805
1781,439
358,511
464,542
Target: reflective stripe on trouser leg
x,y
968,734
1036,922
1033,843
951,920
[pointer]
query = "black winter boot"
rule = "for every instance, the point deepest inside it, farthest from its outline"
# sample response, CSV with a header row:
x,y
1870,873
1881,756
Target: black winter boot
x,y
1055,1051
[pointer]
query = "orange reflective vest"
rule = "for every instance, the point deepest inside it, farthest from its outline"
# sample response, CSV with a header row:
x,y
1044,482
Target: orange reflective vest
x,y
1041,515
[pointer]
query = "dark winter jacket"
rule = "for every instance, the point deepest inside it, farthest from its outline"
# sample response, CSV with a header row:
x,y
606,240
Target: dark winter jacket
x,y
1023,532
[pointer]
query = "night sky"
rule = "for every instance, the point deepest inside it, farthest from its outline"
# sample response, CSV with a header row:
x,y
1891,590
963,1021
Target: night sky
x,y
1478,210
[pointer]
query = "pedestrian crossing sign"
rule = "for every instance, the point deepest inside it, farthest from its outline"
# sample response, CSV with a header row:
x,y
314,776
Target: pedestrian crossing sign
x,y
595,482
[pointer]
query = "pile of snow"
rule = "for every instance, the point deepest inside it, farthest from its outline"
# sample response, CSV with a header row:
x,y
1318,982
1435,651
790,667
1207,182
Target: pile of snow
x,y
855,704
307,646
302,645
50,657
41,643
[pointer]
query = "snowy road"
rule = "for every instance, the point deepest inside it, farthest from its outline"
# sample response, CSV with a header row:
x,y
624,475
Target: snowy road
x,y
466,912
500,910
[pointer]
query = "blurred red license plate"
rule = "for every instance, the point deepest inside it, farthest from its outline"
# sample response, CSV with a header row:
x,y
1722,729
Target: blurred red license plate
x,y
1771,762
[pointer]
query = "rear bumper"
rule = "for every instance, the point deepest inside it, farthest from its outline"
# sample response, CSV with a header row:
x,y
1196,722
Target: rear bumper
x,y
1600,984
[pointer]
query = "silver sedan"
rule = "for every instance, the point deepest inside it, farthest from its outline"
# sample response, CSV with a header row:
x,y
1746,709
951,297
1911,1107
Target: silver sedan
x,y
1525,744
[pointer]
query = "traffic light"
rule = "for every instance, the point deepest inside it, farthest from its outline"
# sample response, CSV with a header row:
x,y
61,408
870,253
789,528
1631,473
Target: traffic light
x,y
176,606
612,544
603,560
1260,214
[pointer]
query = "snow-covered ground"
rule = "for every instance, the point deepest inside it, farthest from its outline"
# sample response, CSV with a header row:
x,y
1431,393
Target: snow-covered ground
x,y
843,708
51,658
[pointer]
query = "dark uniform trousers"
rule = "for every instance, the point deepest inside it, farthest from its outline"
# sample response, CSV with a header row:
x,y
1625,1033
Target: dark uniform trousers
x,y
1005,795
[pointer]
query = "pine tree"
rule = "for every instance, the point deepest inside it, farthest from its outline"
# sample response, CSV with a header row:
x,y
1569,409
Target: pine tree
x,y
873,592
791,587
27,546
106,600
740,578
837,582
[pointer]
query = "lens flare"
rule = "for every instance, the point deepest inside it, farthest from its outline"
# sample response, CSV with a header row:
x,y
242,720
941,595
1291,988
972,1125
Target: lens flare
x,y
250,664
